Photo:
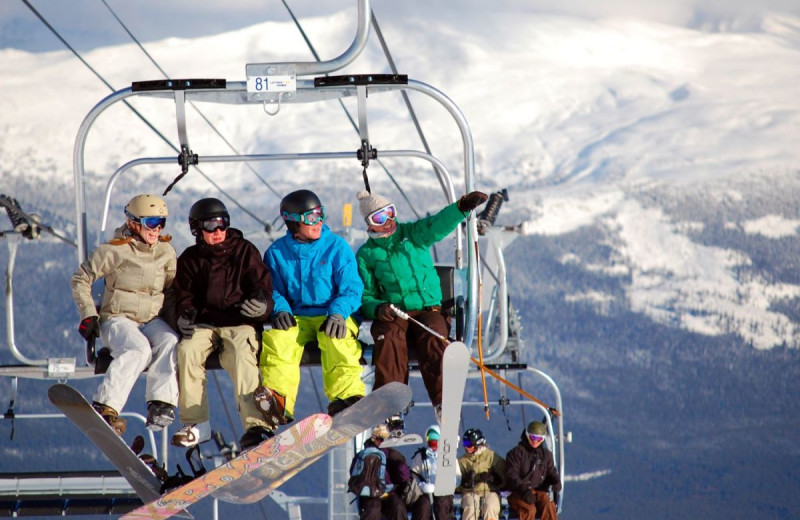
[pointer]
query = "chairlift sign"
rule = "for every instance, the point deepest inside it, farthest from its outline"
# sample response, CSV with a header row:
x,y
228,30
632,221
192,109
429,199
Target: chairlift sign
x,y
270,84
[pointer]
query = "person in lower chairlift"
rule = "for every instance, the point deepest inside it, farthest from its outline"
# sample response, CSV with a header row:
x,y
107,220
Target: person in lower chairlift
x,y
423,467
396,266
138,266
482,478
397,478
224,295
530,474
316,290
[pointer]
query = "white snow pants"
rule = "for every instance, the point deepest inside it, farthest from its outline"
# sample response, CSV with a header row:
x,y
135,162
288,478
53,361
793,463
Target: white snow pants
x,y
136,347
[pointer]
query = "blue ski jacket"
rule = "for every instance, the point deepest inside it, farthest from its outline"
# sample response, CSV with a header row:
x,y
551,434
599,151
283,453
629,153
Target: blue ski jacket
x,y
314,279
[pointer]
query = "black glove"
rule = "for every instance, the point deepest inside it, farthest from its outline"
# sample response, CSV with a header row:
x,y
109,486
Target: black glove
x,y
484,476
384,312
186,324
471,201
468,479
334,327
283,321
89,328
529,497
253,308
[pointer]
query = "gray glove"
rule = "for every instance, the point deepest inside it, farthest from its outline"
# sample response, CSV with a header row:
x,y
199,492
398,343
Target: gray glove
x,y
253,308
186,325
283,321
334,327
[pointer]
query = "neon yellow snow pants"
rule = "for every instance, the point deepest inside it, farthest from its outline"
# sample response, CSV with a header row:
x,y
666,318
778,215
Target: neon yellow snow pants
x,y
281,351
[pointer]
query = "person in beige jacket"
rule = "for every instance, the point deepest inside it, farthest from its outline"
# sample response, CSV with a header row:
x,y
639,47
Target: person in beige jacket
x,y
482,478
138,266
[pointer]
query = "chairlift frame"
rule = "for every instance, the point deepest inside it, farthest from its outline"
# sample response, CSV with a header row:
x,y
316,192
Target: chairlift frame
x,y
312,90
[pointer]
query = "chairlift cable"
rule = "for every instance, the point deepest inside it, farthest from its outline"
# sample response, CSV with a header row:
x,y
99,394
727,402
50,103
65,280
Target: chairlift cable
x,y
406,99
138,114
346,111
193,105
480,333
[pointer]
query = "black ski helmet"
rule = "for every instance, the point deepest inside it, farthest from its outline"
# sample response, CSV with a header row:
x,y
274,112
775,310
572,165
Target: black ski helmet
x,y
298,202
205,209
473,437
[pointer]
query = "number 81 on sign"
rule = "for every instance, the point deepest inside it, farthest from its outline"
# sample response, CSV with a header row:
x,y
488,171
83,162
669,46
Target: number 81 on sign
x,y
286,83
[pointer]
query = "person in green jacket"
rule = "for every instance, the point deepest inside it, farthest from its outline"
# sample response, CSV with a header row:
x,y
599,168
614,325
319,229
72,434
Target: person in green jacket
x,y
396,266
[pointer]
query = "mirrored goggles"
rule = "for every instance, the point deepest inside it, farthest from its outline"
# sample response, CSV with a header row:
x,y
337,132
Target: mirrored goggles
x,y
309,218
148,222
433,443
379,218
467,443
212,224
535,438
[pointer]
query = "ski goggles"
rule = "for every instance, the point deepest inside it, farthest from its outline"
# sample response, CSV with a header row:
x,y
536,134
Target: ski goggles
x,y
309,218
212,224
467,443
379,218
433,444
148,222
535,438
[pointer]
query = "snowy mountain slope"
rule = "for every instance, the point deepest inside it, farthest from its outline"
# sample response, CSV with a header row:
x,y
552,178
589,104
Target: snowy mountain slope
x,y
652,167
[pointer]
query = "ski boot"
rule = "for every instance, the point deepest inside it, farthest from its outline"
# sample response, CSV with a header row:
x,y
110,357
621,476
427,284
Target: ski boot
x,y
396,424
192,434
112,417
340,405
437,412
272,406
159,415
151,462
254,436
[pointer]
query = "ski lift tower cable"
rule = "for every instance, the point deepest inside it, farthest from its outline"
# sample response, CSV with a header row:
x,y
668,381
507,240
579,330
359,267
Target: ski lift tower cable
x,y
81,217
347,112
191,103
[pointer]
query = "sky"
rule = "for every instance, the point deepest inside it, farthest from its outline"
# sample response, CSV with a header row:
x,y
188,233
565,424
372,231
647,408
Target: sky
x,y
89,23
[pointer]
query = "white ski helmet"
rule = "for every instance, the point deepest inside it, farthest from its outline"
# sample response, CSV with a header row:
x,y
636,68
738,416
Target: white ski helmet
x,y
146,206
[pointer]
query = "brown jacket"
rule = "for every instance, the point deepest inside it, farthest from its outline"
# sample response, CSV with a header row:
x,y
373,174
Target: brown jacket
x,y
213,281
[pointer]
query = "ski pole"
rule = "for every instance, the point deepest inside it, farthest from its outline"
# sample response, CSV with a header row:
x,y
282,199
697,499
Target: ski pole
x,y
403,315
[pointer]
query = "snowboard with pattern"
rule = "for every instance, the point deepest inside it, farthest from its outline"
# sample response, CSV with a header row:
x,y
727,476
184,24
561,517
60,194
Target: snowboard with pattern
x,y
282,452
78,410
455,365
365,414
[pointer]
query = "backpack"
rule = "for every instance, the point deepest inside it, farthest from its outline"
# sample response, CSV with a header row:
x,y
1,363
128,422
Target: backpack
x,y
368,474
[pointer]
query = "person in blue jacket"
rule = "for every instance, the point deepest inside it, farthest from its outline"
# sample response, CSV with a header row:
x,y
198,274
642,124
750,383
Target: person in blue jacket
x,y
316,288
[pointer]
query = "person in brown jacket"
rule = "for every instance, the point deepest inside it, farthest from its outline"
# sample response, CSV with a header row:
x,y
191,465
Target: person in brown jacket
x,y
530,474
223,296
137,265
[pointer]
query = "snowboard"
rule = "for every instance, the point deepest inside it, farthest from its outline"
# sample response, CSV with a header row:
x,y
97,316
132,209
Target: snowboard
x,y
455,365
78,410
373,409
406,439
280,453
